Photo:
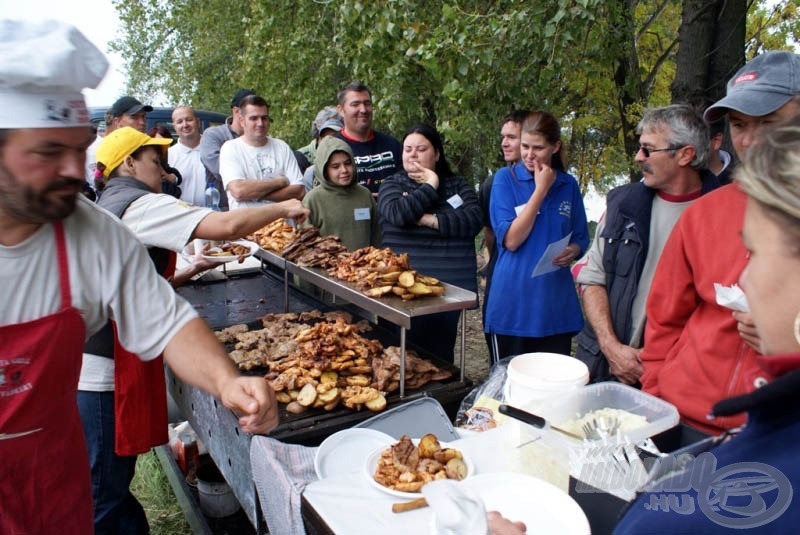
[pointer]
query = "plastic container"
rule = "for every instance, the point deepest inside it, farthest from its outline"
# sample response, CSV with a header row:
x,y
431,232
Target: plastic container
x,y
536,376
660,414
215,495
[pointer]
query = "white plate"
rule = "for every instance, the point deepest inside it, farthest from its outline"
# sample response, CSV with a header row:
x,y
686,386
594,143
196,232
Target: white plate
x,y
372,462
543,507
343,452
230,258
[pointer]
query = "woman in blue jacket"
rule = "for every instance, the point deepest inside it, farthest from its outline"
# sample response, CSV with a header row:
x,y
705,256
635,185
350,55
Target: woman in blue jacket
x,y
535,203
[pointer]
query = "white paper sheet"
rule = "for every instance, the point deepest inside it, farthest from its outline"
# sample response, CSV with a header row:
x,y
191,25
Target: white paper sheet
x,y
545,264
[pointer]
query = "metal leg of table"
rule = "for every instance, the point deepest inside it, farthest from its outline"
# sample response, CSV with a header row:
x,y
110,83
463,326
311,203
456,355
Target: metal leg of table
x,y
285,290
463,342
402,362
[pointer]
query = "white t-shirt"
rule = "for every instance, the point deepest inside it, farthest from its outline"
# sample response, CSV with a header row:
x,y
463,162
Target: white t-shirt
x,y
111,277
238,160
187,161
158,220
91,159
161,220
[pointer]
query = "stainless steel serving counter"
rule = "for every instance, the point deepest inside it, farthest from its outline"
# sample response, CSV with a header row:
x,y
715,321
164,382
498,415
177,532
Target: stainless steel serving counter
x,y
390,307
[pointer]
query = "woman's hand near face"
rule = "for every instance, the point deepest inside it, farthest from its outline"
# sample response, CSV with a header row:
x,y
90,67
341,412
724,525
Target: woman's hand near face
x,y
747,329
423,175
544,176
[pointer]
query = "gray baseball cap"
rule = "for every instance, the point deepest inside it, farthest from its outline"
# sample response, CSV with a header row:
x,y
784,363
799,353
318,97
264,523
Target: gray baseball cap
x,y
760,87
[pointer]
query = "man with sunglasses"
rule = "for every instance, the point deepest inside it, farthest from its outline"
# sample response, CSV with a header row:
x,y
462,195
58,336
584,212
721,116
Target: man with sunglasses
x,y
698,352
628,242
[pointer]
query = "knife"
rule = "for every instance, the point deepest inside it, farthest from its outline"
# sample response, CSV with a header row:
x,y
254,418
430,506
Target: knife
x,y
532,419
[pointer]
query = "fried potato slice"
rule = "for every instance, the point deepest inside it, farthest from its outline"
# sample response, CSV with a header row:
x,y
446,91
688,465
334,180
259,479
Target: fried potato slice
x,y
307,395
376,404
329,396
399,290
283,397
456,469
358,380
406,279
378,291
446,455
437,290
295,408
430,281
419,288
429,446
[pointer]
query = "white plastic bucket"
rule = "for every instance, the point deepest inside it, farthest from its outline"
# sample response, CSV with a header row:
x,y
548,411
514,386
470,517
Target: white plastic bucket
x,y
216,497
535,376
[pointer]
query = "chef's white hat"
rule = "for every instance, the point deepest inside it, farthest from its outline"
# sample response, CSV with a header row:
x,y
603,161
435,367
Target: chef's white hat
x,y
44,65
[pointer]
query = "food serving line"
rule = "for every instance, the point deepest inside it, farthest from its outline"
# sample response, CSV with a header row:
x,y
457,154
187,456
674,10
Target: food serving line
x,y
282,471
247,297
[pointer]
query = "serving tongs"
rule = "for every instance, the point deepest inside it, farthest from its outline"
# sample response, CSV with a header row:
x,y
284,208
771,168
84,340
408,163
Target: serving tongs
x,y
534,420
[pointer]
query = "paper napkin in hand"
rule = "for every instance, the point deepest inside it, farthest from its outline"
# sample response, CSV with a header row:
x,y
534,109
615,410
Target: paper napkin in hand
x,y
455,510
731,297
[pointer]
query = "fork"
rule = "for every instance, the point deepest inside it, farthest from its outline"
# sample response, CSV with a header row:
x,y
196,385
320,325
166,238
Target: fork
x,y
601,427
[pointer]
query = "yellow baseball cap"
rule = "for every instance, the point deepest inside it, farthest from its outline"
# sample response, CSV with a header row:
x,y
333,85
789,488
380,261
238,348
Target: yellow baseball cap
x,y
121,143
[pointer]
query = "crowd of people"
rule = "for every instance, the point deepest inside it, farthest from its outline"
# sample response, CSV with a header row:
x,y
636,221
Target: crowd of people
x,y
641,300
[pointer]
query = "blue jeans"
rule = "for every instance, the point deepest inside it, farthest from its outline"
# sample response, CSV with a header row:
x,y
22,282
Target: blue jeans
x,y
116,510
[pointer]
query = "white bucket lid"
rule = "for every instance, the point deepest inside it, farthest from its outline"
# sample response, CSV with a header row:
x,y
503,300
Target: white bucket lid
x,y
547,369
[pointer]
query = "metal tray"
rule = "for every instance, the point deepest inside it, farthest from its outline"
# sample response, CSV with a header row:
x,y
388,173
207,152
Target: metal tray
x,y
415,419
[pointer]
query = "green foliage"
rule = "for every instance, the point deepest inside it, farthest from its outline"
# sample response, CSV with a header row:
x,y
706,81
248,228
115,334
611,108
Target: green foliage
x,y
773,27
458,64
151,488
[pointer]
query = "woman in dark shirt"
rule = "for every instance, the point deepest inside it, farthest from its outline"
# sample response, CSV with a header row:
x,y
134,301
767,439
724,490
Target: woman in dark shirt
x,y
433,215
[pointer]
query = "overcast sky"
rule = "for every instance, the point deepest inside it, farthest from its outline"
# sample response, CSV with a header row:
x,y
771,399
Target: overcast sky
x,y
97,19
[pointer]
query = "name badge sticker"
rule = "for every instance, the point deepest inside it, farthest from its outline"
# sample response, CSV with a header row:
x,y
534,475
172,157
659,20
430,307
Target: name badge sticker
x,y
361,214
455,201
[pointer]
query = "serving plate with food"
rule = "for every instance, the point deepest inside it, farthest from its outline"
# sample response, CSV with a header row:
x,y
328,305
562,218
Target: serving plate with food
x,y
403,468
228,251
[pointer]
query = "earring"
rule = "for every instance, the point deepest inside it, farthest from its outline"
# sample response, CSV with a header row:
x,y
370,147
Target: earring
x,y
797,328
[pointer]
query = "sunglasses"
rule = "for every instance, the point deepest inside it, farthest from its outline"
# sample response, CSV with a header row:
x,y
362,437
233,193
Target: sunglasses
x,y
647,151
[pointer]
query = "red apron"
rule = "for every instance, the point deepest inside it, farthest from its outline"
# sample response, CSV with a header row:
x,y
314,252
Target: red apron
x,y
45,485
140,397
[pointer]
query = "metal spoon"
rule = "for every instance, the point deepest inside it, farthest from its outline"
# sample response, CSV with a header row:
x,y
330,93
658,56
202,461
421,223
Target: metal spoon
x,y
532,419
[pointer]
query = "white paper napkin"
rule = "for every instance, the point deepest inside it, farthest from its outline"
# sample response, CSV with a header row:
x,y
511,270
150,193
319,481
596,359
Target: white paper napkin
x,y
455,510
731,297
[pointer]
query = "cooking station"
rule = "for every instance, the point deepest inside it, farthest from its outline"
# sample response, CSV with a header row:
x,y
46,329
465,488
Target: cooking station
x,y
245,298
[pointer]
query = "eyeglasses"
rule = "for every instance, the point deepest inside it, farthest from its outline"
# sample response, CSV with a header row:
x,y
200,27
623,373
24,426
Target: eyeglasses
x,y
647,150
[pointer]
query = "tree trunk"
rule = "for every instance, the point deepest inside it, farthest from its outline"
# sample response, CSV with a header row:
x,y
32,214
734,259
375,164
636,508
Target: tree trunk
x,y
626,76
696,35
727,53
711,50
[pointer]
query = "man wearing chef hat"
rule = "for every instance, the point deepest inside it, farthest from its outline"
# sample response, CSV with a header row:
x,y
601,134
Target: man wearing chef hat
x,y
67,267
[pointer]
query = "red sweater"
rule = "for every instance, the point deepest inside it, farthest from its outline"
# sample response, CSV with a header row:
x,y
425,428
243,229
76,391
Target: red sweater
x,y
693,355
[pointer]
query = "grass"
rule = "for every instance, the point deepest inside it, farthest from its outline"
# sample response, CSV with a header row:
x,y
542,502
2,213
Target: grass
x,y
154,492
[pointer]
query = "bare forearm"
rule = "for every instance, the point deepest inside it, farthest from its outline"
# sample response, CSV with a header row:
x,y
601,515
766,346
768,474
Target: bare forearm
x,y
197,357
523,224
235,224
295,191
598,314
255,190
